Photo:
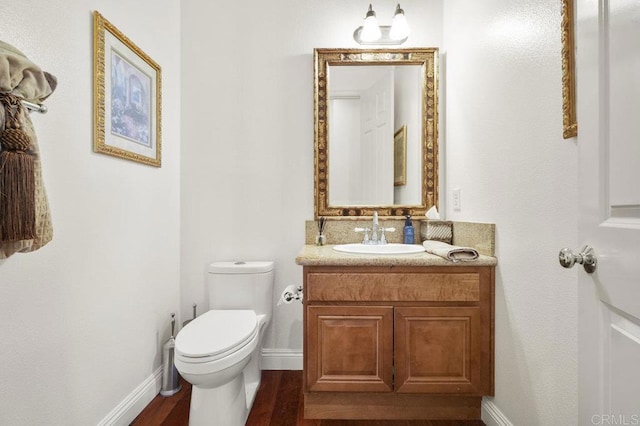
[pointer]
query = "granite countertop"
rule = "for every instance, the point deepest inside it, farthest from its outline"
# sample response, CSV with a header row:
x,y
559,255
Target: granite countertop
x,y
312,255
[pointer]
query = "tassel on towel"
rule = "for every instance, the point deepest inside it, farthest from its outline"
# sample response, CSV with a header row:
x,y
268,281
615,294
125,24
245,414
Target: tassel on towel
x,y
449,252
17,176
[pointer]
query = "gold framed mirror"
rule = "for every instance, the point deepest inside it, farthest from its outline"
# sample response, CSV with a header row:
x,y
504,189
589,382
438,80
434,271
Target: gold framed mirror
x,y
362,98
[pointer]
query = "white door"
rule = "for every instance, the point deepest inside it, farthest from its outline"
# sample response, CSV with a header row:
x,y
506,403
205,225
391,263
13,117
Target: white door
x,y
608,107
377,141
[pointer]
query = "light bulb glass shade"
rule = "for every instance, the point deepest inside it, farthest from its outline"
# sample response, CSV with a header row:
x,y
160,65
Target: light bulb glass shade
x,y
399,26
370,27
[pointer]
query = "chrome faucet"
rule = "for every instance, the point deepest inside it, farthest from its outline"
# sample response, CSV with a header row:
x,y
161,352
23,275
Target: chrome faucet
x,y
374,229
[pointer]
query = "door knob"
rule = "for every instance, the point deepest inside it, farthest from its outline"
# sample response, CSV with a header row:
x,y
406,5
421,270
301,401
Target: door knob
x,y
586,258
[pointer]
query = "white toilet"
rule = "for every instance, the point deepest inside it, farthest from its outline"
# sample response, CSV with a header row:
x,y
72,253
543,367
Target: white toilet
x,y
219,351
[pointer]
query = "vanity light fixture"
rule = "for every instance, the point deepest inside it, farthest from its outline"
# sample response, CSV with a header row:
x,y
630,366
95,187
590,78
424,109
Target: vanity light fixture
x,y
399,25
370,28
372,33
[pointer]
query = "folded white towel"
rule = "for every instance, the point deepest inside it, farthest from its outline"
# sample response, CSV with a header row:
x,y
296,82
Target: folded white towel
x,y
449,252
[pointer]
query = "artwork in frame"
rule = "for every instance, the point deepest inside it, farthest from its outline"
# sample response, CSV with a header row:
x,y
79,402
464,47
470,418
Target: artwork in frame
x,y
569,121
127,97
400,156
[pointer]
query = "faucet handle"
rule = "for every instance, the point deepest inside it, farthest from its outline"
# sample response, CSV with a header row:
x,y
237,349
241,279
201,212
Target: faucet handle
x,y
366,234
383,238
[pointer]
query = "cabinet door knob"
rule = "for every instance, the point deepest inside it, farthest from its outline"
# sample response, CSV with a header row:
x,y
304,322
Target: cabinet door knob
x,y
587,258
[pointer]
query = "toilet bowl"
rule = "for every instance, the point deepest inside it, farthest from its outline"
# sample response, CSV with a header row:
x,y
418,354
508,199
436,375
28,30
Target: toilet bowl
x,y
212,353
219,351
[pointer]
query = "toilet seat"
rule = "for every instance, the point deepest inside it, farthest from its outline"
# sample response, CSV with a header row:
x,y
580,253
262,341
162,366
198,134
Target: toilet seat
x,y
216,334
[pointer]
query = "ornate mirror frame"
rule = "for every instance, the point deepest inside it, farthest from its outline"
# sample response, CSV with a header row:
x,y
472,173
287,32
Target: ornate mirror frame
x,y
427,58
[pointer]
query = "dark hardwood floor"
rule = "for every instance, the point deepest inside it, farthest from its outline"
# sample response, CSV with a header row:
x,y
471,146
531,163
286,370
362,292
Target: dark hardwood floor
x,y
278,403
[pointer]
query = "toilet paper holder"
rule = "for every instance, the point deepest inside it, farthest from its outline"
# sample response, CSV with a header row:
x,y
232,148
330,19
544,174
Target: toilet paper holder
x,y
292,293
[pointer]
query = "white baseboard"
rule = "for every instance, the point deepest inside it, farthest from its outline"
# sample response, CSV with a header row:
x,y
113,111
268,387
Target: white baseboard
x,y
272,359
281,359
135,402
492,416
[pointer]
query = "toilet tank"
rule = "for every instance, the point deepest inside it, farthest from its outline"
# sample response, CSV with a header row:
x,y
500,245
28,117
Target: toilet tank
x,y
241,285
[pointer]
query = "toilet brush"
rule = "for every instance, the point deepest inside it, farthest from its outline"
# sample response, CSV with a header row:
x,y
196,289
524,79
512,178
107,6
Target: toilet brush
x,y
170,377
194,316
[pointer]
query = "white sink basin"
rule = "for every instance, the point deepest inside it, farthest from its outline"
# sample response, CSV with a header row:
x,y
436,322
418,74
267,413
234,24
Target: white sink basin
x,y
391,248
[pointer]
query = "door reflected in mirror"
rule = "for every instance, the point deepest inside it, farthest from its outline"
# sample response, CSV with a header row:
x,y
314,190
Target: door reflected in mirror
x,y
376,131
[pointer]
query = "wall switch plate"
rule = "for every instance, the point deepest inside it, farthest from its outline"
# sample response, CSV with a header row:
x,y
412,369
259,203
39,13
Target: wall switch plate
x,y
455,200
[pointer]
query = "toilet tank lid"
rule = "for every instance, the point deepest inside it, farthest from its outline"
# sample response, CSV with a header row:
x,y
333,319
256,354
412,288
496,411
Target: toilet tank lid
x,y
240,267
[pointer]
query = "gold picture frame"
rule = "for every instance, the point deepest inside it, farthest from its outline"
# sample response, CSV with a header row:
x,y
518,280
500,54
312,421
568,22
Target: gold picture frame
x,y
127,97
400,156
569,121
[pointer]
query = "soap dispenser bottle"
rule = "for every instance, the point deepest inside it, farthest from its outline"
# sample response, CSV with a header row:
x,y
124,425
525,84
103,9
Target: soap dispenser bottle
x,y
408,231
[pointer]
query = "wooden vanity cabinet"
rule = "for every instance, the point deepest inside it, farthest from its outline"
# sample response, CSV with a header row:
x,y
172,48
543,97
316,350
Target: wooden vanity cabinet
x,y
391,342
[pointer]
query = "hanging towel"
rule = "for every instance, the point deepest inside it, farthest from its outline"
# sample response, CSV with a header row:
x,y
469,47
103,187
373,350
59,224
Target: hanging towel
x,y
25,219
449,252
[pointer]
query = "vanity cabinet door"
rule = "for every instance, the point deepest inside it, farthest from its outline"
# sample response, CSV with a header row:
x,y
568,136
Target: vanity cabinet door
x,y
438,350
349,348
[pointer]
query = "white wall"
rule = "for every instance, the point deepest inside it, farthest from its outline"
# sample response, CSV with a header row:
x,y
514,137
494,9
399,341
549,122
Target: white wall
x,y
84,318
408,89
345,174
247,131
504,150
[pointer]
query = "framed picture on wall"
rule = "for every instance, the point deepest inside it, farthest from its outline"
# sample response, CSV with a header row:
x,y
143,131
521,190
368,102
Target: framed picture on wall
x,y
127,97
569,116
400,156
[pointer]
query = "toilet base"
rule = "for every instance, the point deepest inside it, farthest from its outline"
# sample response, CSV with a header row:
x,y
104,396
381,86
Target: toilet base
x,y
206,405
227,404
